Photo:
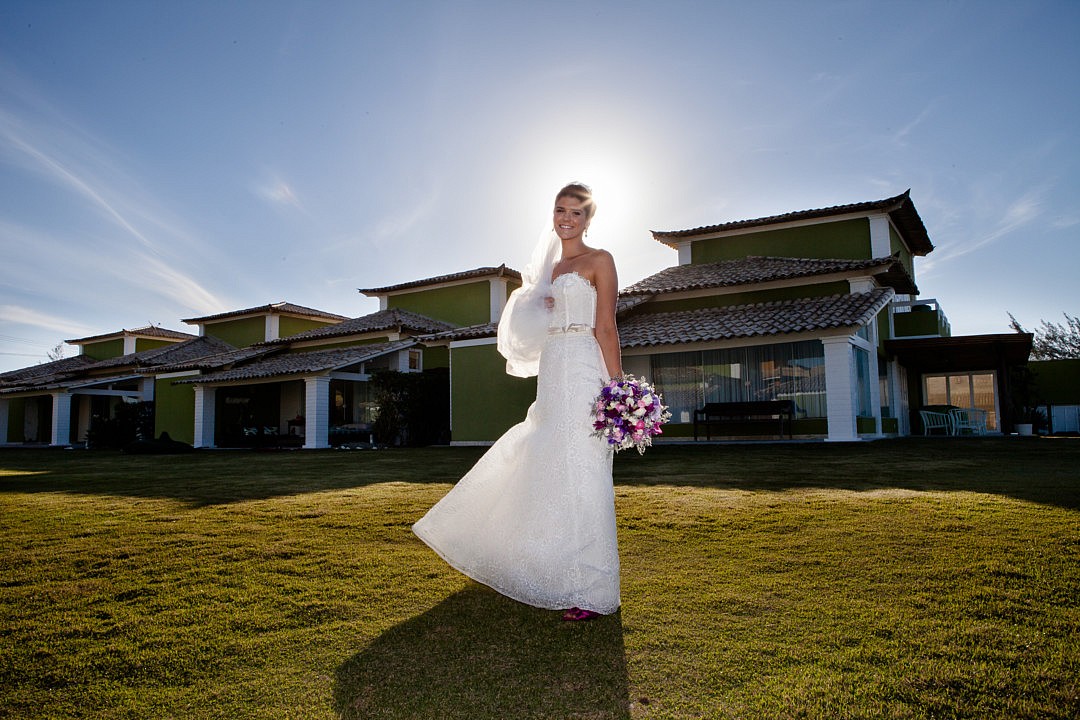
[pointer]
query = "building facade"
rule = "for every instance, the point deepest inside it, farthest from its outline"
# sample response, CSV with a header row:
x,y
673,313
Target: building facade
x,y
817,307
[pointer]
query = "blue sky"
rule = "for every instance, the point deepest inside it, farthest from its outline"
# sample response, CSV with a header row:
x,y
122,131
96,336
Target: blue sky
x,y
169,159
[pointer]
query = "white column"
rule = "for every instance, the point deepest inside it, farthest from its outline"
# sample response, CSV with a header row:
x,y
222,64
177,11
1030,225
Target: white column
x,y
685,256
880,242
840,389
204,416
61,419
317,412
4,410
146,389
496,298
272,327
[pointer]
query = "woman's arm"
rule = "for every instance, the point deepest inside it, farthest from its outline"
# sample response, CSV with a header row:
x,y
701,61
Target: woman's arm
x,y
606,281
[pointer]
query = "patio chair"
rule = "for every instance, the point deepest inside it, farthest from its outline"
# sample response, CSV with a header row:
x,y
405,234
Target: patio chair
x,y
935,421
970,420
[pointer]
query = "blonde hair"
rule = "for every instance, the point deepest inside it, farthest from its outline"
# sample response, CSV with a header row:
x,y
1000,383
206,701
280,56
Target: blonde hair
x,y
582,192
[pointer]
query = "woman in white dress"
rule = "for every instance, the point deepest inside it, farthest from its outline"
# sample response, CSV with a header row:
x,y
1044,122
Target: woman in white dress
x,y
535,517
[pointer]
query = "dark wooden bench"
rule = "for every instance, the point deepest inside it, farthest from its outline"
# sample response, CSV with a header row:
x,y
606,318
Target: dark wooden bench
x,y
778,412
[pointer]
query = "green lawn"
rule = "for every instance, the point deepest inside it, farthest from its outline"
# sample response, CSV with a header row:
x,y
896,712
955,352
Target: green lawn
x,y
918,578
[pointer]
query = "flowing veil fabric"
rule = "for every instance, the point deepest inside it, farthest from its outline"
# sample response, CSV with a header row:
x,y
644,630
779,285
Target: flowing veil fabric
x,y
524,322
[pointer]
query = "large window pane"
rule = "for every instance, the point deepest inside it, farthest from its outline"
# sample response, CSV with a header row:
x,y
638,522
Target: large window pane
x,y
678,378
883,389
937,390
789,371
862,376
970,390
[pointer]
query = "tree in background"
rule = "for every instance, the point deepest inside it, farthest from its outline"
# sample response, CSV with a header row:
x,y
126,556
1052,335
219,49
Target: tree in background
x,y
57,353
414,408
1053,341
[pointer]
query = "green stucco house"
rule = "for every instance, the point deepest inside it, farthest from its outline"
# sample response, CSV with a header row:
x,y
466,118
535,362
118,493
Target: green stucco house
x,y
816,307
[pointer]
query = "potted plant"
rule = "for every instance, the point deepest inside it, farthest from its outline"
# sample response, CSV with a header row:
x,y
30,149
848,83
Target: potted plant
x,y
1030,420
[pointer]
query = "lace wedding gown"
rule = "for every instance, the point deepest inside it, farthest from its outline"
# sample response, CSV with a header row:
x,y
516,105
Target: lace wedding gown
x,y
535,517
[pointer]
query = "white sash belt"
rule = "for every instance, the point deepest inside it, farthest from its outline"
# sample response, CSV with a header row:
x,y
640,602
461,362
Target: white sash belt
x,y
571,329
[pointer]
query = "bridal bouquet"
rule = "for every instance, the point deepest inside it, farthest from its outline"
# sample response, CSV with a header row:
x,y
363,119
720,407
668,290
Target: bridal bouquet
x,y
629,412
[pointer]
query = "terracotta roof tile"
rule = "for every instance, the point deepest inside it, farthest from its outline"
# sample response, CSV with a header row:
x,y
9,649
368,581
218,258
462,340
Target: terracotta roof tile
x,y
148,331
196,347
900,209
303,363
82,368
470,332
755,269
280,308
45,372
490,329
214,361
500,271
741,321
391,319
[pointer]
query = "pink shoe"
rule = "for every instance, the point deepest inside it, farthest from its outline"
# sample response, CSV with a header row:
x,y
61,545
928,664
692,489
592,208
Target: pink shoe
x,y
574,614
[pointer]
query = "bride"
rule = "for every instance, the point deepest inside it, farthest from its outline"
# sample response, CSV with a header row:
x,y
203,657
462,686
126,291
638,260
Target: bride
x,y
535,517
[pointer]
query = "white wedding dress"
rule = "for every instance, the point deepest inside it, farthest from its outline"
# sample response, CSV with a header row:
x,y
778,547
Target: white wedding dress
x,y
535,517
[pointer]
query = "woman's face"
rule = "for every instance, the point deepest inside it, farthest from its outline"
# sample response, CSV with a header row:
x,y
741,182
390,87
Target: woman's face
x,y
571,219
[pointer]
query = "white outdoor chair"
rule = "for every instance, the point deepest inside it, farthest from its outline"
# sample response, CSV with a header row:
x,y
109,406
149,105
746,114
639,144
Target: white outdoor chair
x,y
935,421
971,420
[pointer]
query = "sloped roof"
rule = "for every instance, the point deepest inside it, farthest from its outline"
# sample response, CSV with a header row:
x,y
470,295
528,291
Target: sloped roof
x,y
222,359
900,208
470,332
83,369
760,269
44,372
742,321
196,347
490,329
279,308
303,363
390,319
148,331
500,271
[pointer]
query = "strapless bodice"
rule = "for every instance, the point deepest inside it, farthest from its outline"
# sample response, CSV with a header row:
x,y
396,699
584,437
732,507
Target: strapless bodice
x,y
575,302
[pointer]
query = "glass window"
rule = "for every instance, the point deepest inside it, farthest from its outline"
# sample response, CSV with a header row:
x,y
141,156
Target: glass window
x,y
862,378
883,389
788,371
970,390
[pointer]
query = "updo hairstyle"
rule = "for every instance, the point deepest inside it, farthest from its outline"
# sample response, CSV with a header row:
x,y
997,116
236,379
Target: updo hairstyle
x,y
583,193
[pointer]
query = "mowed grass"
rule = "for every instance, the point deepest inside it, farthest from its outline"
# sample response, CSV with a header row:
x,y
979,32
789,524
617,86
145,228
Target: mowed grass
x,y
918,578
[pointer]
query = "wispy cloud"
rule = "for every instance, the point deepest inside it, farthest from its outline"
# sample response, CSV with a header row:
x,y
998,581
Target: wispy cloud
x,y
60,171
17,315
396,226
1021,212
159,278
278,192
74,161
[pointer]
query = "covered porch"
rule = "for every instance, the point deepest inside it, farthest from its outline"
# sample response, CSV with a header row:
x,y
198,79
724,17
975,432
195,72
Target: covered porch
x,y
972,371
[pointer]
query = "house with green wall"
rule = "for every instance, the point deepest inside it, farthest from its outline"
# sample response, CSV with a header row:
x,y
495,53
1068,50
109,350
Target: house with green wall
x,y
817,307
312,388
54,403
484,400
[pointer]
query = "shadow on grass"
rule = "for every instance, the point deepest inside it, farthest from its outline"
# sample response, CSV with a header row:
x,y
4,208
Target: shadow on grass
x,y
478,654
1037,469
